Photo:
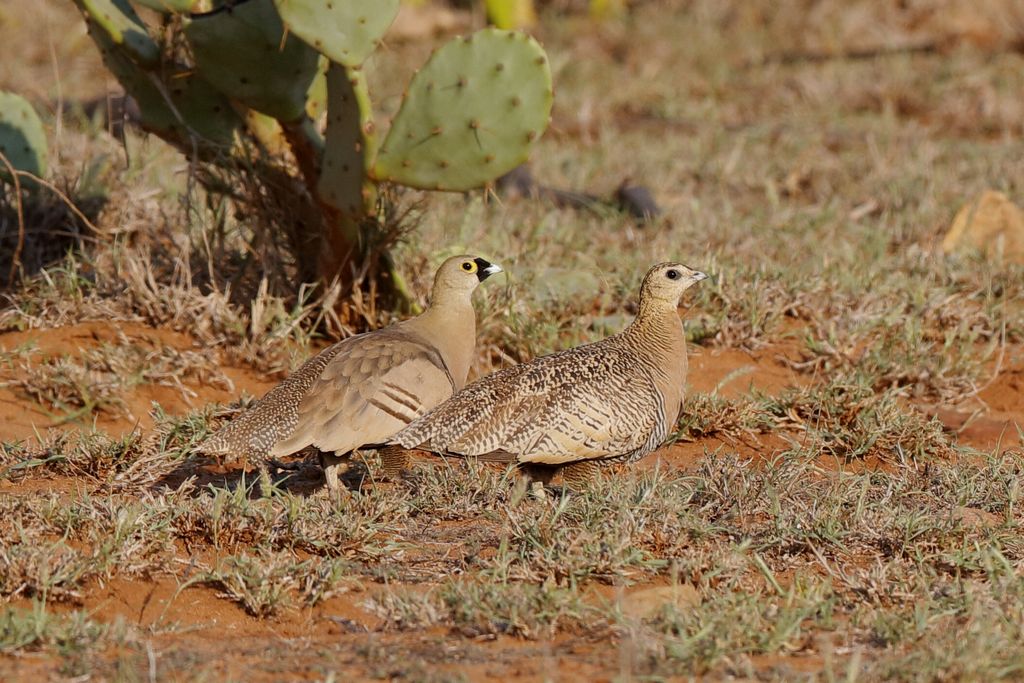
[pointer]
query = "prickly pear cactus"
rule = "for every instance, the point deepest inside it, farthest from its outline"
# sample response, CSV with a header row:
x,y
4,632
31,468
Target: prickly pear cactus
x,y
347,31
244,51
123,27
22,138
470,114
255,79
349,142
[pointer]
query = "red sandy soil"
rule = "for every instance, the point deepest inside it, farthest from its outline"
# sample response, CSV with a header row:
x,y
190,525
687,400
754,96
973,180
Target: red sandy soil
x,y
198,634
990,420
23,418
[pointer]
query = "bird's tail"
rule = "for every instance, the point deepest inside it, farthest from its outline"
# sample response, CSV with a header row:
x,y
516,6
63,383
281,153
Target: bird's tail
x,y
216,445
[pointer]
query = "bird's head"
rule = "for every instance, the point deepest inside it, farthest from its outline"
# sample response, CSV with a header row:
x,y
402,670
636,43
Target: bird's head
x,y
666,282
460,275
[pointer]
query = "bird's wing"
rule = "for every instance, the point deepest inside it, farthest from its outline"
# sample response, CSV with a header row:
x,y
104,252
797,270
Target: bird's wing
x,y
369,391
584,403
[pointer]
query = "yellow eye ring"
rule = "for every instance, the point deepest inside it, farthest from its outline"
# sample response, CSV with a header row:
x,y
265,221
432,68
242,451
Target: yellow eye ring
x,y
469,266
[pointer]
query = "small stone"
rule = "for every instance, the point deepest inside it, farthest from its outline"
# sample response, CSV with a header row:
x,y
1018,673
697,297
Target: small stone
x,y
976,518
992,224
648,603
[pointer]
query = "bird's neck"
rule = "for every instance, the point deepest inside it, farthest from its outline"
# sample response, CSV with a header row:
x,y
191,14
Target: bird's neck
x,y
657,330
449,324
657,336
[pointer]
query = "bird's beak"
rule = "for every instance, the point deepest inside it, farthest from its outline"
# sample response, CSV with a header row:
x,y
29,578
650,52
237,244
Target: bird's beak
x,y
486,269
698,276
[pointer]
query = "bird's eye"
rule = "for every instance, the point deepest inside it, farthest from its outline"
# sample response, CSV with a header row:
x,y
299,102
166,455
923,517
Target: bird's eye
x,y
469,266
672,274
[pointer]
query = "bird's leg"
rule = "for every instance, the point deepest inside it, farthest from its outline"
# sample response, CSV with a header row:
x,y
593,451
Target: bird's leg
x,y
333,466
576,475
395,461
539,476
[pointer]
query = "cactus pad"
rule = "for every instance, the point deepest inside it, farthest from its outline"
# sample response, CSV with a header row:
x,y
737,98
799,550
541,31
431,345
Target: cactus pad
x,y
347,31
244,51
316,96
168,5
22,139
348,143
197,106
123,26
472,113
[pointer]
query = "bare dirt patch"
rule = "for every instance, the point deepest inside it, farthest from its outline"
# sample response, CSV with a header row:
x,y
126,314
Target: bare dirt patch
x,y
994,417
25,418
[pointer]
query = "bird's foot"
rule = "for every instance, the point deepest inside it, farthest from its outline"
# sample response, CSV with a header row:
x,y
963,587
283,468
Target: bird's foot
x,y
538,490
332,490
286,466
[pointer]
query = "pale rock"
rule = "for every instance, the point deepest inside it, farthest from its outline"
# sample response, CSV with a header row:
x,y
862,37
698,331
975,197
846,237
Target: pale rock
x,y
648,603
992,224
976,518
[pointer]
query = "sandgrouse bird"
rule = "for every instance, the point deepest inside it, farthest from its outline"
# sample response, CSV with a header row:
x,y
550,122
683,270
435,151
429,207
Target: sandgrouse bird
x,y
360,391
616,399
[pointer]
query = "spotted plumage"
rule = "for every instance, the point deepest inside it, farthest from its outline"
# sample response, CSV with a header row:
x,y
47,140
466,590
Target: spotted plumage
x,y
362,390
613,399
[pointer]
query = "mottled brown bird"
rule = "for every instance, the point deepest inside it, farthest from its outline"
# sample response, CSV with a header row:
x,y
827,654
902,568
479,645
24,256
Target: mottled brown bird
x,y
362,390
616,399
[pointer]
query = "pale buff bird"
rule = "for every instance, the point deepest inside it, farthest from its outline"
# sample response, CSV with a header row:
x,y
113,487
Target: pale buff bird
x,y
616,399
362,390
